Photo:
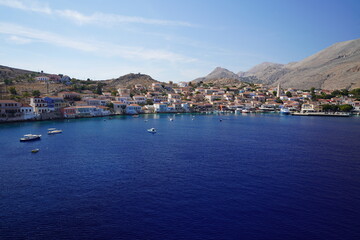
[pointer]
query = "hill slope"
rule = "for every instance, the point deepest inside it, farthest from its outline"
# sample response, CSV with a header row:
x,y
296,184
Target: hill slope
x,y
220,76
335,67
130,80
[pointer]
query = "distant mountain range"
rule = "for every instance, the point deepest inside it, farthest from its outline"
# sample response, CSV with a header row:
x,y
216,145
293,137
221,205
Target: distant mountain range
x,y
335,67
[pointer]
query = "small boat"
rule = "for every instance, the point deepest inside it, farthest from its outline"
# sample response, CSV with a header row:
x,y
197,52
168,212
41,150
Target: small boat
x,y
285,111
54,131
245,111
152,130
171,119
135,115
35,150
30,137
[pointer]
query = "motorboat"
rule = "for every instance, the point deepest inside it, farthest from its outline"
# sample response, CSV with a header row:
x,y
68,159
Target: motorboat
x,y
152,130
30,137
285,111
35,150
54,131
245,111
171,119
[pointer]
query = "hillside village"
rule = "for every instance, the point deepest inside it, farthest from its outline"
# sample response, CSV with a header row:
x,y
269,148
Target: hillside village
x,y
70,99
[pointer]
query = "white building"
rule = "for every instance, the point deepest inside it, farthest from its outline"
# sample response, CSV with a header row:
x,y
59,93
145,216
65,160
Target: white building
x,y
27,112
133,109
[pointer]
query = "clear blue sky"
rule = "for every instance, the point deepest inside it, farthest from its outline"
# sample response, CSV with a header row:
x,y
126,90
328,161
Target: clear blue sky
x,y
169,40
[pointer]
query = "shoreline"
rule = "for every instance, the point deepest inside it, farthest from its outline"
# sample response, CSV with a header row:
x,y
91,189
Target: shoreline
x,y
312,114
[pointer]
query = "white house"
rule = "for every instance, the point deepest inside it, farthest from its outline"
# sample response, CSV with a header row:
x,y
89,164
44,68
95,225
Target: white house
x,y
42,78
139,99
119,107
160,107
133,109
27,112
39,105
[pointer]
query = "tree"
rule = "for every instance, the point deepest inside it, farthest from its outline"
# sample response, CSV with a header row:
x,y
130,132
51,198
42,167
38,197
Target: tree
x,y
274,93
110,105
355,93
312,91
113,93
288,94
36,93
26,94
99,89
278,100
345,108
149,102
12,90
8,82
330,108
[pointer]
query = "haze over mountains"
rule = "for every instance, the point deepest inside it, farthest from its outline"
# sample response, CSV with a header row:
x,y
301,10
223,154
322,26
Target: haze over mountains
x,y
335,67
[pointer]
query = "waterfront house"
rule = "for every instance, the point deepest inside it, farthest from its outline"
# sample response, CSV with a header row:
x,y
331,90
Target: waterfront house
x,y
39,105
133,109
55,103
102,111
309,107
27,112
10,110
186,107
160,107
119,107
86,111
69,112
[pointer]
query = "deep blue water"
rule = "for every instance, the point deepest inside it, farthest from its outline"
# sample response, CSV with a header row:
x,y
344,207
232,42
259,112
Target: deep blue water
x,y
247,177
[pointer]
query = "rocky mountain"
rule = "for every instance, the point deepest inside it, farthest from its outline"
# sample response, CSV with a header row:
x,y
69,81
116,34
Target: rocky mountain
x,y
130,80
220,76
218,73
266,73
335,67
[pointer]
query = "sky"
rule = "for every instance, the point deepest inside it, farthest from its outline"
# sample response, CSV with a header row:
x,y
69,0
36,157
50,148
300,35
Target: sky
x,y
176,40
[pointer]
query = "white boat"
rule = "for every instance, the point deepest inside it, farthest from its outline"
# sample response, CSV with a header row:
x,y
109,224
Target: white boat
x,y
245,111
171,119
285,111
54,131
35,150
30,137
152,130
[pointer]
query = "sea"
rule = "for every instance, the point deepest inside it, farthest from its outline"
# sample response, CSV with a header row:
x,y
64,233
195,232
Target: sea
x,y
251,176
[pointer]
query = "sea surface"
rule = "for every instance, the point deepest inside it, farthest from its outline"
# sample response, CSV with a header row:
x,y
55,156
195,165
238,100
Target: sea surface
x,y
245,177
